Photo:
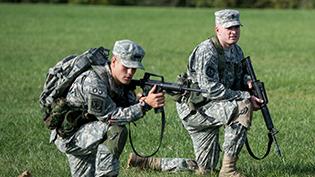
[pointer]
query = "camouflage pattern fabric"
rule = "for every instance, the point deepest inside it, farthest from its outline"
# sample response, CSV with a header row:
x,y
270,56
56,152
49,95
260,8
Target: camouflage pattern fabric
x,y
222,109
227,18
178,164
87,153
129,53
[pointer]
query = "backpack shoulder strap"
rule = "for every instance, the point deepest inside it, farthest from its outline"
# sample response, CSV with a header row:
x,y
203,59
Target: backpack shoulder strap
x,y
221,65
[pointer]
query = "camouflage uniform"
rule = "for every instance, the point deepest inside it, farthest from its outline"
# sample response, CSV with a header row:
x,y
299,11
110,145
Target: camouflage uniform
x,y
94,149
222,109
219,71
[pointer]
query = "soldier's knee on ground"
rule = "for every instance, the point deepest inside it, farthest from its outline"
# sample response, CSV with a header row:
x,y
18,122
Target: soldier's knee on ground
x,y
116,139
244,113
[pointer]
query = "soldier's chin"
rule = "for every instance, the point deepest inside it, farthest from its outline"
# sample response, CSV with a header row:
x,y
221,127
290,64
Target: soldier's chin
x,y
126,81
234,40
231,42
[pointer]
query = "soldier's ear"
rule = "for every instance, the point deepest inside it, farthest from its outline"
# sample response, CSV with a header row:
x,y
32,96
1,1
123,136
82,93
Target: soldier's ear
x,y
113,60
217,29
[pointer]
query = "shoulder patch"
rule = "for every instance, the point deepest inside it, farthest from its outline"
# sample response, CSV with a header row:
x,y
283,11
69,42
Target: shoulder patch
x,y
96,104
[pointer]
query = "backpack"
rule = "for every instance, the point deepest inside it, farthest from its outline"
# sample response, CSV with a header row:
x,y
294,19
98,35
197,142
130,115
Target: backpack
x,y
58,81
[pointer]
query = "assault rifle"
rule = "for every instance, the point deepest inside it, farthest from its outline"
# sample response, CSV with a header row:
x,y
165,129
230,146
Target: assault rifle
x,y
260,92
171,88
146,85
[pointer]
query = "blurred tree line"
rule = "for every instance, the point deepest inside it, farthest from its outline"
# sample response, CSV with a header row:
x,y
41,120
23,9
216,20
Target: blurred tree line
x,y
293,4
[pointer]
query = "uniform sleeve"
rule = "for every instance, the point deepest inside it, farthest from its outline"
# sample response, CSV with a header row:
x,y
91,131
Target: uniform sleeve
x,y
207,75
100,104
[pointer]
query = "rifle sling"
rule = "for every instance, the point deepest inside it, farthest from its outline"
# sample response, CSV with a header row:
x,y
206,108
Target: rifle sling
x,y
160,141
267,151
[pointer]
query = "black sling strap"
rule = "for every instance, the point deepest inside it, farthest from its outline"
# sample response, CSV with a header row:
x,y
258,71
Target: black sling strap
x,y
267,151
160,141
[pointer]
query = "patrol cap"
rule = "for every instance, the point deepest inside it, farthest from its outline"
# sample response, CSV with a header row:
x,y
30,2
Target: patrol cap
x,y
129,53
227,18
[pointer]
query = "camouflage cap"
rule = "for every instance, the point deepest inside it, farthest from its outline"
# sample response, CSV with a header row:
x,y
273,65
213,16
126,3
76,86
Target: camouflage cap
x,y
129,53
227,18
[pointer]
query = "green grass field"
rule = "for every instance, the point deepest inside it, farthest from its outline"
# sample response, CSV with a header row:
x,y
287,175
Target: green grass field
x,y
34,37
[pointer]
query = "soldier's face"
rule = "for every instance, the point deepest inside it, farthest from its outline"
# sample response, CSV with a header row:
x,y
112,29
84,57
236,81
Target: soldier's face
x,y
121,74
228,36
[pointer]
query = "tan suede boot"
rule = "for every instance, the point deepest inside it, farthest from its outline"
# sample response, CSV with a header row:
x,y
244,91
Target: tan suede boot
x,y
144,163
228,168
25,174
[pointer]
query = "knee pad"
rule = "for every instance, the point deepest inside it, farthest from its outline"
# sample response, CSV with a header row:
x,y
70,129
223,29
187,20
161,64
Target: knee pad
x,y
116,139
244,113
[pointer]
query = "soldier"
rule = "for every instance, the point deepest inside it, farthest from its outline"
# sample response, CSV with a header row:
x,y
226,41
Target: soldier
x,y
94,149
214,65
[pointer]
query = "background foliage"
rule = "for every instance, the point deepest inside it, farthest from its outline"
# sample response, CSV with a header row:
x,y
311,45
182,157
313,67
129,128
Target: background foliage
x,y
35,37
293,4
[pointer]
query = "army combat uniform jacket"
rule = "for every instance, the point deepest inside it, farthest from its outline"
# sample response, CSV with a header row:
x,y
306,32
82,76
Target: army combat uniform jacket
x,y
223,86
111,105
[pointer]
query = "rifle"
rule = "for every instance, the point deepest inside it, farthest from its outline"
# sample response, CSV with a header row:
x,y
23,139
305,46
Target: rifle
x,y
260,92
170,88
146,85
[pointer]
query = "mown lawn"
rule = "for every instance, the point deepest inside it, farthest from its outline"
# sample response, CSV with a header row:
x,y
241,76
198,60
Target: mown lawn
x,y
34,37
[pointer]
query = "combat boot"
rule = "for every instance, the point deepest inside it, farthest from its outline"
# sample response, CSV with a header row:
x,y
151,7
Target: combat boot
x,y
25,174
144,163
228,168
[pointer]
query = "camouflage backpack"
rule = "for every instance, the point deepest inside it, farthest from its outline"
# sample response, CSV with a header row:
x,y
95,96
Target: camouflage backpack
x,y
57,113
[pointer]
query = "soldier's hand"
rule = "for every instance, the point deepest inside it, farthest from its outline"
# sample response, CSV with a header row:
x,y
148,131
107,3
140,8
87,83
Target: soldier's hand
x,y
256,102
155,100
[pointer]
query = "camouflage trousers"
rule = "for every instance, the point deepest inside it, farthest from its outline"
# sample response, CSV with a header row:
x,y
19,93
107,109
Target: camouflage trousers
x,y
204,132
88,154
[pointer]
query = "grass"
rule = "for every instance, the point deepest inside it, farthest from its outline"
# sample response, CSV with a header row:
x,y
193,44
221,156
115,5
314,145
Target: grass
x,y
35,37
